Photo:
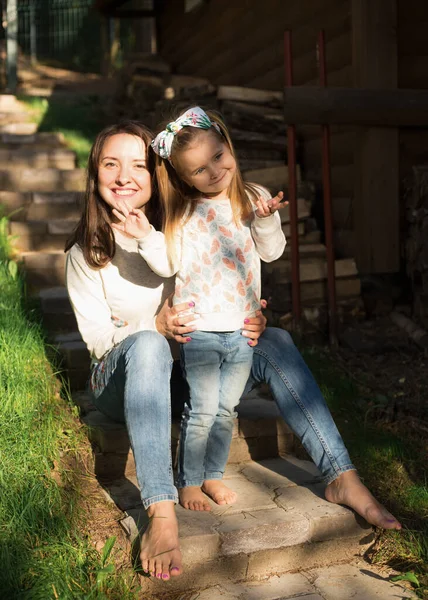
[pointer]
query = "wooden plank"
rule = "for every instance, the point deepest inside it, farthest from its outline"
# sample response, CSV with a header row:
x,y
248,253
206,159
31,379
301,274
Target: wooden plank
x,y
376,185
315,269
249,95
341,149
369,107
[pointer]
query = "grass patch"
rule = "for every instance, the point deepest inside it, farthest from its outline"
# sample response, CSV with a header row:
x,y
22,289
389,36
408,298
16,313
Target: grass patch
x,y
391,461
78,119
43,551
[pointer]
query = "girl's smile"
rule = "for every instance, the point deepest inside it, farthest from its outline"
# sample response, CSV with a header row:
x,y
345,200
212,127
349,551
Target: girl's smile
x,y
207,165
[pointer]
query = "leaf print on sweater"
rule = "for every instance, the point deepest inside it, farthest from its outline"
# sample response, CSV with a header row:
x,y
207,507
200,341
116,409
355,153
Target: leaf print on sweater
x,y
241,289
229,264
196,268
249,278
248,245
229,297
240,255
211,215
202,227
225,231
216,278
214,246
206,289
206,259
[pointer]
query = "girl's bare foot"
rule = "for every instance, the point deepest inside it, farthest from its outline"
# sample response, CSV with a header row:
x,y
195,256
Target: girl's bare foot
x,y
220,493
349,490
160,551
191,497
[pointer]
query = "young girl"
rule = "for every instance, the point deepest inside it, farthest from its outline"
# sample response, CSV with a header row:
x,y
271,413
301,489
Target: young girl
x,y
217,228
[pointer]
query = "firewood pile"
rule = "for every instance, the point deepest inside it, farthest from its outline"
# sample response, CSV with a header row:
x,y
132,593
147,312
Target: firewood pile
x,y
150,92
417,242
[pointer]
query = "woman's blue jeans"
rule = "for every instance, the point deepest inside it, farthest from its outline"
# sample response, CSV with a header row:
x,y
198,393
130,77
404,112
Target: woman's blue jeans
x,y
217,366
131,384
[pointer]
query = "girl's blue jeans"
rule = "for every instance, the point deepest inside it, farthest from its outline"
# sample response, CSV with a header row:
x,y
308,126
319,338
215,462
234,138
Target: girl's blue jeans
x,y
132,384
217,366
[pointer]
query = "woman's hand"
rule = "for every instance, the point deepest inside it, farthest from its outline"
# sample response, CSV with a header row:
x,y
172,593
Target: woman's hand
x,y
255,326
133,221
266,208
173,326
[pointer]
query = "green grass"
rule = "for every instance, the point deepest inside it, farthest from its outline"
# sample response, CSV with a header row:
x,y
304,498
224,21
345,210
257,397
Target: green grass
x,y
78,119
392,463
43,552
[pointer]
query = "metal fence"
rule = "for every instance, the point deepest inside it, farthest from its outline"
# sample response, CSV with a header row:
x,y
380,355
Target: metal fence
x,y
62,32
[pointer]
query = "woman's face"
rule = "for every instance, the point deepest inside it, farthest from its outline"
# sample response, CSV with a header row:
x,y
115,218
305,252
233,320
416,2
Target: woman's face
x,y
122,172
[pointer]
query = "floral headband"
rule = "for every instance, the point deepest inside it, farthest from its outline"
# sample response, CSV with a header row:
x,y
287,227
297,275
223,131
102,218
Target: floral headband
x,y
194,117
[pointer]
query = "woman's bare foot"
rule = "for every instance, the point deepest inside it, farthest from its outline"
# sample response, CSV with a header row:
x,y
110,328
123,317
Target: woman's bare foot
x,y
349,490
160,551
220,493
191,497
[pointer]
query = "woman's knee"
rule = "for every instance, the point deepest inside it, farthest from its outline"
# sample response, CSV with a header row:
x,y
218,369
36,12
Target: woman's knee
x,y
149,348
274,337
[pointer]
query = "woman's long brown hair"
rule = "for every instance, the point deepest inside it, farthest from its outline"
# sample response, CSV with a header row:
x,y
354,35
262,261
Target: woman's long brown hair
x,y
179,199
93,232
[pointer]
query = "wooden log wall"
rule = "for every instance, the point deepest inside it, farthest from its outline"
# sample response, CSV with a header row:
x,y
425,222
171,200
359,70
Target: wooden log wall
x,y
241,43
412,73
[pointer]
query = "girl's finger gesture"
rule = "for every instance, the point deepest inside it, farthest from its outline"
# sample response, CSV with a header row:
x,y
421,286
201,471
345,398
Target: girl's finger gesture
x,y
132,221
266,208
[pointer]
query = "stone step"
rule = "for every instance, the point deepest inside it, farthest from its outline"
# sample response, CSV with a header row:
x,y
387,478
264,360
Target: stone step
x,y
358,580
279,523
44,269
9,104
312,293
259,433
44,236
23,158
45,139
18,128
41,206
17,116
57,314
42,180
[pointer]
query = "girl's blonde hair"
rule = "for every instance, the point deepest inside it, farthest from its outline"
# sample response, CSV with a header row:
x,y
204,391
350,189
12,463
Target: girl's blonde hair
x,y
178,199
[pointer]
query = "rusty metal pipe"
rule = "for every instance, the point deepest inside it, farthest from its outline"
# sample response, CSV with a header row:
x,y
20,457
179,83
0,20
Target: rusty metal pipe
x,y
328,213
292,189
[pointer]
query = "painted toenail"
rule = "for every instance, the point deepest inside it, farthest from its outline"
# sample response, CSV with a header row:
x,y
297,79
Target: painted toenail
x,y
165,576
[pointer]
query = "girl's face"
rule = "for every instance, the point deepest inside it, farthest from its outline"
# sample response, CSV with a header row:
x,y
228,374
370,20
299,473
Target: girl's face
x,y
207,164
122,172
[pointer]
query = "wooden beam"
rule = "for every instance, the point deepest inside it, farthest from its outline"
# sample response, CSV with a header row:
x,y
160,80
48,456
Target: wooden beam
x,y
308,105
376,184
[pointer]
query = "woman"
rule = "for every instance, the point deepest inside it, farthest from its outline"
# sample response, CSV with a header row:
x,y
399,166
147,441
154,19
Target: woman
x,y
124,316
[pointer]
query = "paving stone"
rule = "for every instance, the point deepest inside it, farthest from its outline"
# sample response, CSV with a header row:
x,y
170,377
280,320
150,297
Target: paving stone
x,y
261,530
283,586
307,555
251,497
19,128
61,226
327,520
281,472
346,581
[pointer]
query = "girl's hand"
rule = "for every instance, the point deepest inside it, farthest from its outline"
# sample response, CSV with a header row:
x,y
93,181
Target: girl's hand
x,y
173,326
266,208
133,221
254,327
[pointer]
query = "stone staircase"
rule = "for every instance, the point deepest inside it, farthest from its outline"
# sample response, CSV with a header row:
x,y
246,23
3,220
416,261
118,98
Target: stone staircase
x,y
281,524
